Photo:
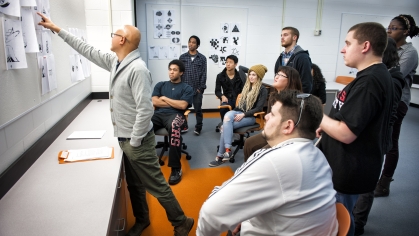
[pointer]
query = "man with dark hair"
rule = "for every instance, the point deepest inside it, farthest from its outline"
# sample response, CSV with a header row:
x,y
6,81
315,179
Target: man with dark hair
x,y
171,99
131,111
295,57
283,190
356,132
228,85
196,76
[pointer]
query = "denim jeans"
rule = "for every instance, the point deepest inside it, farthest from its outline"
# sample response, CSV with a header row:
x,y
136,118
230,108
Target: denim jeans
x,y
229,125
223,111
143,174
349,201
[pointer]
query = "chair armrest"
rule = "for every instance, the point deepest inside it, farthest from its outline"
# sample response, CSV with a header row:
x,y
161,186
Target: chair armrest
x,y
260,119
225,106
187,112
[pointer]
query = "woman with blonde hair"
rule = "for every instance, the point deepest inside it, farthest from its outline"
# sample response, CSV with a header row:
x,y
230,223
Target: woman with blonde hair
x,y
253,97
286,78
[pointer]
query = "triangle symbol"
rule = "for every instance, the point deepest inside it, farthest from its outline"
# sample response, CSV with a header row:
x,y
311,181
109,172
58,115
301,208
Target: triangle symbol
x,y
235,29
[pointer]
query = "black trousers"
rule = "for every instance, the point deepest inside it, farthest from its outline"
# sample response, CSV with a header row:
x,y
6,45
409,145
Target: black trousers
x,y
172,123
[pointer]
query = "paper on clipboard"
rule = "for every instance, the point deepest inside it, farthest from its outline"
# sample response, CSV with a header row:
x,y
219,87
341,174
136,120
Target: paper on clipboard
x,y
93,134
88,154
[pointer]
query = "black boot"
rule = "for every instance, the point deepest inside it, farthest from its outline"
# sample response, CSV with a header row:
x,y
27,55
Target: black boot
x,y
383,187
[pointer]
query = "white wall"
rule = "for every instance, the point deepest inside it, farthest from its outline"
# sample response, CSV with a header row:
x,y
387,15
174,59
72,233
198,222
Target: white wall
x,y
265,23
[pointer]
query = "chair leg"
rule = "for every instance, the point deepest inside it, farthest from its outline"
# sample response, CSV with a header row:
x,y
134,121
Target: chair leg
x,y
240,145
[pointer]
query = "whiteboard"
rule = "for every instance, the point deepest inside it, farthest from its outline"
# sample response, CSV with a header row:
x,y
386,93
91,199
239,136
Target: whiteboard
x,y
202,21
347,21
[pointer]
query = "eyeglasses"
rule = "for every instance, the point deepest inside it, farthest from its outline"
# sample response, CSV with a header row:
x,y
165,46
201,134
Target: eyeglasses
x,y
394,29
302,96
281,75
113,35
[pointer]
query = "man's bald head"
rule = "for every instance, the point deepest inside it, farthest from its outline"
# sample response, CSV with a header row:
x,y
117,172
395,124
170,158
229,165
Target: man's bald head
x,y
133,36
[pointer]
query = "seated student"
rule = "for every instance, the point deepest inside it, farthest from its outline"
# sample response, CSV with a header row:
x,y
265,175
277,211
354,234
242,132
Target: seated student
x,y
319,83
228,85
253,98
286,78
283,190
171,99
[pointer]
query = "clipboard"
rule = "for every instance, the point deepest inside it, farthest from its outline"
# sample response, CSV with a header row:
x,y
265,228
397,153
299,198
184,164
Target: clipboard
x,y
62,155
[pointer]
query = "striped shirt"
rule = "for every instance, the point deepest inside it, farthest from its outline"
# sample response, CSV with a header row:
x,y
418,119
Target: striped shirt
x,y
195,73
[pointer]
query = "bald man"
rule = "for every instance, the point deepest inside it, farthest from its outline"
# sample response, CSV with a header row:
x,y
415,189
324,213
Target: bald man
x,y
131,111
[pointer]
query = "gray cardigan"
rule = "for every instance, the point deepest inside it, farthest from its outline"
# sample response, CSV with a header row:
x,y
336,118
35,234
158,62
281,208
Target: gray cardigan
x,y
129,89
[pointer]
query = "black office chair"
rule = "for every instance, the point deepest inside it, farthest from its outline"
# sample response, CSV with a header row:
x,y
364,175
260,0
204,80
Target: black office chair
x,y
165,144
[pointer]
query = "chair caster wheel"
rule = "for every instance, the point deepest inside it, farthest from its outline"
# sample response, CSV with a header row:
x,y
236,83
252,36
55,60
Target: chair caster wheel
x,y
217,130
161,162
188,157
231,160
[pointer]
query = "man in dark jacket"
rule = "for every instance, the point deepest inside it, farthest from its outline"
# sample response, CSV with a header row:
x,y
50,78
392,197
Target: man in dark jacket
x,y
295,57
228,85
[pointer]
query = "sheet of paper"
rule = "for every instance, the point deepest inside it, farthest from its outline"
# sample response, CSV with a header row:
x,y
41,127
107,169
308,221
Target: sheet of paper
x,y
89,154
13,43
29,34
11,8
88,134
27,3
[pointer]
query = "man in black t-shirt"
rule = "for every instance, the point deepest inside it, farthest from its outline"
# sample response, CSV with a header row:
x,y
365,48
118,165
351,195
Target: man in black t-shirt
x,y
171,99
356,131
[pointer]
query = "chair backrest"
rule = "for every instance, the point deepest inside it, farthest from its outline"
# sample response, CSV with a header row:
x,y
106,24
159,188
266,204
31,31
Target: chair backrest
x,y
344,79
344,220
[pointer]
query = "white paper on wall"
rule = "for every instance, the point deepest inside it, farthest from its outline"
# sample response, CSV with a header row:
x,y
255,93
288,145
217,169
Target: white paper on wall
x,y
76,70
214,43
225,29
29,34
235,50
236,40
10,7
235,28
39,43
158,31
27,3
174,51
164,52
44,76
164,17
52,79
222,62
213,57
153,52
46,43
13,44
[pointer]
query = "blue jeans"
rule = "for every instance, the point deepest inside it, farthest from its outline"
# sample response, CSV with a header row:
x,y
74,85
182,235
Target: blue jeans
x,y
227,130
349,201
223,111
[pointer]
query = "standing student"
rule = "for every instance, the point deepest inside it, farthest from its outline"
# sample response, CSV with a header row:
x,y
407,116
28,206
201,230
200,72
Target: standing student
x,y
196,76
295,57
171,99
253,98
228,85
285,79
131,112
391,60
356,131
399,29
283,190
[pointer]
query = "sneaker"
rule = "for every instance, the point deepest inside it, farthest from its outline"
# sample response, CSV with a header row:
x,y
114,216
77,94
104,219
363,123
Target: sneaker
x,y
137,229
218,161
197,132
175,176
185,228
227,156
184,129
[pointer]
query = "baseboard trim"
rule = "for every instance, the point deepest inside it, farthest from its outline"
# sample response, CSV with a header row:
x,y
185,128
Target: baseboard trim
x,y
100,95
14,172
414,105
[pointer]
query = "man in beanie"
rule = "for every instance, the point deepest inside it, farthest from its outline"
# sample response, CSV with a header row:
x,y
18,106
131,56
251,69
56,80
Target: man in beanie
x,y
195,76
253,98
283,190
295,57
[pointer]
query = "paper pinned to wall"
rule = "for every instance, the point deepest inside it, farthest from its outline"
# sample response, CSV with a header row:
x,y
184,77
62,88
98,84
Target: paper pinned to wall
x,y
10,7
52,79
29,34
13,44
27,3
44,76
174,51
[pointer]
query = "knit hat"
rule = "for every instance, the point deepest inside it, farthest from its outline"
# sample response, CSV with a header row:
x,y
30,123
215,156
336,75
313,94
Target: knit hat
x,y
259,69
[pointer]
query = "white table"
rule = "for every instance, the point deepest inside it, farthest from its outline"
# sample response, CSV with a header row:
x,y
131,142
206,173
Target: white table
x,y
68,199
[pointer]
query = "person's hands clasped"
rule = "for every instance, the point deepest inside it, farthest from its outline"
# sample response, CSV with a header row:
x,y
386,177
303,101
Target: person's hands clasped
x,y
238,117
47,23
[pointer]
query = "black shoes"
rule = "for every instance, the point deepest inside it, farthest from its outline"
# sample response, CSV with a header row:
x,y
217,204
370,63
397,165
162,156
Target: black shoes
x,y
383,187
185,228
197,132
175,176
138,228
